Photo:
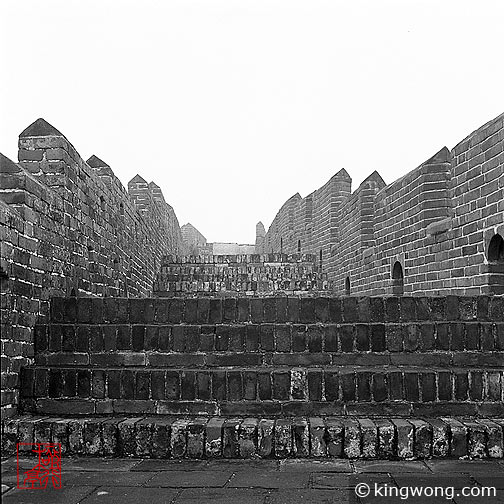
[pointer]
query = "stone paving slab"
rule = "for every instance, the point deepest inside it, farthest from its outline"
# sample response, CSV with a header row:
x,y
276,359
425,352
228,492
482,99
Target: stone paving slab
x,y
309,496
169,465
189,479
99,464
65,495
371,466
269,479
237,464
222,496
464,466
125,481
490,481
333,480
131,495
423,480
108,478
410,500
484,500
302,465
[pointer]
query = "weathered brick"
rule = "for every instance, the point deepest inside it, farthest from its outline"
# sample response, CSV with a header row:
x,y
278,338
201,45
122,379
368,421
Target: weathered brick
x,y
196,438
334,439
178,438
300,437
213,438
283,438
265,436
230,438
317,437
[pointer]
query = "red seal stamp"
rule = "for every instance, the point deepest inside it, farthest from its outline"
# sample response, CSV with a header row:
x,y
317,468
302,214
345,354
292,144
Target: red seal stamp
x,y
47,469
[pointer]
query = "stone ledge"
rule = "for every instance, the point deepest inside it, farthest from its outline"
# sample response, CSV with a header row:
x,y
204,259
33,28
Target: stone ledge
x,y
197,438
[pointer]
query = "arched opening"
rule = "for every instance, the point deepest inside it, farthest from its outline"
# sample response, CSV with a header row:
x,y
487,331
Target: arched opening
x,y
397,279
495,255
496,249
73,293
116,263
347,286
102,202
281,245
299,245
121,209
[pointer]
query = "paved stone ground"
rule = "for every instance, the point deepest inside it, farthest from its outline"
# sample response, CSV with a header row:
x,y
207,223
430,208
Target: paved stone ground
x,y
125,481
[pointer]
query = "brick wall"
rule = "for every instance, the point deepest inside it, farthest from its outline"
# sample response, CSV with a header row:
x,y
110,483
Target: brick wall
x,y
308,225
435,224
69,227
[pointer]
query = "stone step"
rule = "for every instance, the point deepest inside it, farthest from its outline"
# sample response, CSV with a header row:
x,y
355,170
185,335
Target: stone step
x,y
276,309
476,343
183,285
275,391
239,259
258,437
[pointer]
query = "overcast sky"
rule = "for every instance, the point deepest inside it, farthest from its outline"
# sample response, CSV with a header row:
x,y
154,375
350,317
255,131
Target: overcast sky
x,y
233,106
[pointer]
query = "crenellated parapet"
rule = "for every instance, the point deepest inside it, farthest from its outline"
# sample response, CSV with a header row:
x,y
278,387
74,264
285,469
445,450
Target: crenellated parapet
x,y
431,232
70,228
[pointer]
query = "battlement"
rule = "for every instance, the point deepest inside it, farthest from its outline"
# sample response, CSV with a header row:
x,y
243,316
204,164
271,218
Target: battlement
x,y
435,226
69,227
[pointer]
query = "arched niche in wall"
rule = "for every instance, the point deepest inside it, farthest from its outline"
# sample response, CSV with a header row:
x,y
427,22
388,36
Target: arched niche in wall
x,y
347,286
495,256
397,279
496,249
299,245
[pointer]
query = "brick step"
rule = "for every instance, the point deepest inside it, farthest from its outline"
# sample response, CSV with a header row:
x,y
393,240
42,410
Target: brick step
x,y
240,270
257,437
289,276
240,275
272,408
276,309
282,338
239,259
265,360
179,285
277,391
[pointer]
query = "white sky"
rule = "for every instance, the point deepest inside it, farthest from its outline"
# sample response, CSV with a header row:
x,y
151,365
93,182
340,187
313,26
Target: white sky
x,y
233,106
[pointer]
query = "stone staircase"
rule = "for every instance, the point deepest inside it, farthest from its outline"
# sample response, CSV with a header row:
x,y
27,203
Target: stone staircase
x,y
232,275
267,376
